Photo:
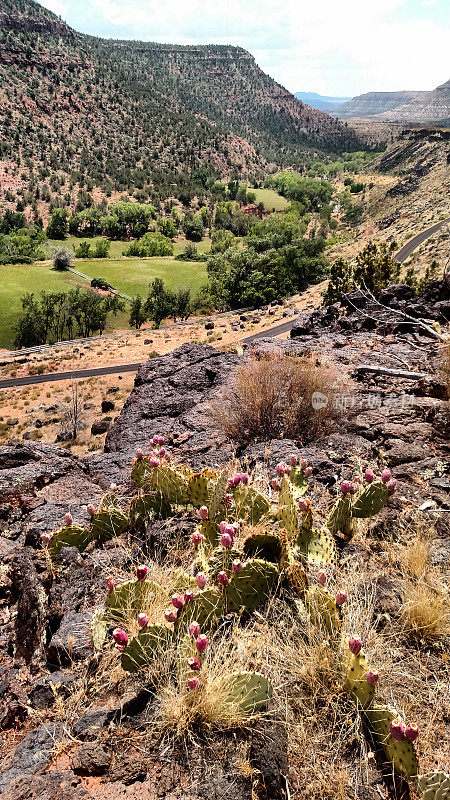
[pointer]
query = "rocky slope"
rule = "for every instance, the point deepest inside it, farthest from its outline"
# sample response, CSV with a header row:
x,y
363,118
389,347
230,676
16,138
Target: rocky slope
x,y
409,107
44,615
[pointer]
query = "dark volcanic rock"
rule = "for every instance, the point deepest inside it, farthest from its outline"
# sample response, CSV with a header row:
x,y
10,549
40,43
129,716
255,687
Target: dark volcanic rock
x,y
31,609
91,759
33,753
71,642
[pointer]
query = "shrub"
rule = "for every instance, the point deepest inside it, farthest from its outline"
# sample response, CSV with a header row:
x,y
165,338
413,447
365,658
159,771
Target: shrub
x,y
63,259
151,244
271,397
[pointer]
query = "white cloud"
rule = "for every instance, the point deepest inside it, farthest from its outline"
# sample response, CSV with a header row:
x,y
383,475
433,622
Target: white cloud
x,y
57,6
345,47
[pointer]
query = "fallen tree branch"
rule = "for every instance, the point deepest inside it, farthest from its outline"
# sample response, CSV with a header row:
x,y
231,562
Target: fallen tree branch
x,y
394,373
431,331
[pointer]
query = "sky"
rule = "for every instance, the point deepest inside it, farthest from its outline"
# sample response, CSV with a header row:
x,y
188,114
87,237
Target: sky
x,y
333,47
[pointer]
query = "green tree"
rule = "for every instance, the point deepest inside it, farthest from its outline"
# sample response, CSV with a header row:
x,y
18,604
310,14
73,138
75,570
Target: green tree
x,y
137,312
193,227
160,302
58,225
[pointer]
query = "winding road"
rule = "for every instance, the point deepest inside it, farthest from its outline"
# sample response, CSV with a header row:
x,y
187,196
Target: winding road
x,y
277,330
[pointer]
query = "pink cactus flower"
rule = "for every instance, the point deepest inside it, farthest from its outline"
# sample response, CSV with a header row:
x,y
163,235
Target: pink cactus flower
x,y
204,513
397,729
141,572
90,510
386,475
355,645
369,476
244,478
345,487
228,500
177,601
68,519
110,584
280,469
162,452
293,461
201,643
170,614
322,578
223,527
196,538
308,472
226,540
154,462
236,480
193,683
139,454
120,637
288,470
194,630
222,578
411,732
275,485
303,505
46,539
142,620
201,580
372,676
194,664
341,597
161,440
391,486
236,567
188,596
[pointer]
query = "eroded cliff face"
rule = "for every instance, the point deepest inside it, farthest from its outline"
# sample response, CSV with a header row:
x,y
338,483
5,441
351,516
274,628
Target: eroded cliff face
x,y
409,107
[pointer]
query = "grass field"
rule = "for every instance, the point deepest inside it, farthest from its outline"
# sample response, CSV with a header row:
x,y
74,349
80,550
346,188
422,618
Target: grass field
x,y
272,200
117,249
131,276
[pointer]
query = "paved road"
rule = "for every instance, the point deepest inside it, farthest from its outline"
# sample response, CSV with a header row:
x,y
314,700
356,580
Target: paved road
x,y
407,249
277,330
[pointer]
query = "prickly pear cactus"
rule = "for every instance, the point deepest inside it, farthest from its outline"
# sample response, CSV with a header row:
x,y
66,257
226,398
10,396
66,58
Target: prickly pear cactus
x,y
108,523
69,536
205,608
247,692
401,754
145,647
100,623
322,608
210,533
340,517
141,508
219,560
250,504
355,683
288,518
370,501
263,544
295,577
253,585
131,597
434,786
217,494
198,490
173,485
299,482
140,471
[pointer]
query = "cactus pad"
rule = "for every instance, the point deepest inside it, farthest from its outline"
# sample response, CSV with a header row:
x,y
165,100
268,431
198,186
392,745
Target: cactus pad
x,y
295,577
99,628
218,493
198,490
210,532
264,545
146,646
217,563
370,501
299,482
401,754
130,598
316,546
108,523
205,608
250,504
355,683
141,470
247,692
434,786
252,586
69,536
340,517
322,608
141,508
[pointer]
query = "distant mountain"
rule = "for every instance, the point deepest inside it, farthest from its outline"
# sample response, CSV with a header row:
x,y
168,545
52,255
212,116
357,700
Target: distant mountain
x,y
320,101
120,116
409,107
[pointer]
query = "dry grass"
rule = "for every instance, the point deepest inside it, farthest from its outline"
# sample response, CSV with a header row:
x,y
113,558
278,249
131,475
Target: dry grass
x,y
426,610
271,397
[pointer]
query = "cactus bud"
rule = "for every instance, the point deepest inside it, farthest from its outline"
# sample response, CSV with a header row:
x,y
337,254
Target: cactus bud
x,y
303,505
170,614
293,461
411,732
275,485
341,597
196,538
354,645
110,584
142,620
194,664
90,510
369,475
188,596
345,487
372,677
201,643
177,601
68,519
280,469
223,527
391,486
120,637
244,479
226,540
153,462
201,580
230,484
139,454
236,567
222,578
397,729
236,480
194,630
193,683
322,578
141,572
308,472
386,475
204,513
46,538
228,499
351,487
